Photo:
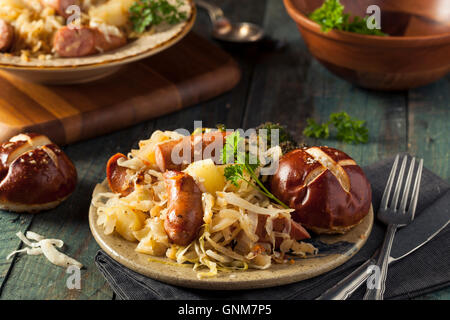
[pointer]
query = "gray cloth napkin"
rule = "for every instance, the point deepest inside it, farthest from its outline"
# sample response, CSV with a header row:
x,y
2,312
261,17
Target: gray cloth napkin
x,y
423,271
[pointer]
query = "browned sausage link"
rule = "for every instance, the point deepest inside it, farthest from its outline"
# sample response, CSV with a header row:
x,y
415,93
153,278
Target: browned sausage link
x,y
6,35
117,176
163,151
60,6
74,42
185,212
84,41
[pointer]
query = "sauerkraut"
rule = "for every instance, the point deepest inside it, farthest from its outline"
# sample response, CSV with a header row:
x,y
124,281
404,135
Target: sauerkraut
x,y
226,241
35,24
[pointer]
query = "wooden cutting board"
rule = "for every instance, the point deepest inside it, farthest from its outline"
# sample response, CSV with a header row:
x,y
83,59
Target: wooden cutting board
x,y
192,71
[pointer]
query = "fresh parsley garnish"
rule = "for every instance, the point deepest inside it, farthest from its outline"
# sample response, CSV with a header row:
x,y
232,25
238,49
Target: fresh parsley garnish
x,y
286,141
147,13
243,165
347,129
283,134
331,16
316,130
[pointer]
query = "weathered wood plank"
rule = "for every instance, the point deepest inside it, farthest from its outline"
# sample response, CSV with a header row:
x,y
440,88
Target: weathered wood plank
x,y
10,224
429,136
429,126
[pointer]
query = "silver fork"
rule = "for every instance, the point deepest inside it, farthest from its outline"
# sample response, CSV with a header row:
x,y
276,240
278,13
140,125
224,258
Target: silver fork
x,y
394,217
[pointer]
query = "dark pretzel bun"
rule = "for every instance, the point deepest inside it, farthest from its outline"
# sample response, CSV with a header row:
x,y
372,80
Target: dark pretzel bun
x,y
35,174
327,189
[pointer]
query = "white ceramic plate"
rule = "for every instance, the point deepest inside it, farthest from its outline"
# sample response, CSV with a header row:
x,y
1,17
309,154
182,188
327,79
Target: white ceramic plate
x,y
334,250
90,68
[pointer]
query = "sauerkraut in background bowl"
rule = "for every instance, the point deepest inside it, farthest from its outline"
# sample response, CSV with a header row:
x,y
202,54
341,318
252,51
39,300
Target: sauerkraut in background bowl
x,y
32,57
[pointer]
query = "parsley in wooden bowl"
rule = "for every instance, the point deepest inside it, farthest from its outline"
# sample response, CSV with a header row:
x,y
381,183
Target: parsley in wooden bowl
x,y
411,49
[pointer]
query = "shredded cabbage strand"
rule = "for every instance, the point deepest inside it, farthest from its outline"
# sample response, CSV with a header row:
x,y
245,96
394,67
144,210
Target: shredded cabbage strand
x,y
227,241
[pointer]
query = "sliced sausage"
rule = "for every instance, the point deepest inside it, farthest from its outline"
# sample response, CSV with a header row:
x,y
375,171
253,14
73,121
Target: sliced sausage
x,y
185,213
84,41
297,231
116,176
60,6
163,151
74,42
6,35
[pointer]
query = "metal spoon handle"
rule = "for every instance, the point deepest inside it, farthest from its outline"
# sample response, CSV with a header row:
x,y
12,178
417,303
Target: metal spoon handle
x,y
214,12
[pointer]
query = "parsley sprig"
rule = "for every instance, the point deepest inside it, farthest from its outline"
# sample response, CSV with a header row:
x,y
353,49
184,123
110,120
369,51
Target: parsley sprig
x,y
242,164
347,129
331,16
146,13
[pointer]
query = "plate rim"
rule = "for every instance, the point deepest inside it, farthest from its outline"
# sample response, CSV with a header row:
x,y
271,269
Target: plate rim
x,y
219,283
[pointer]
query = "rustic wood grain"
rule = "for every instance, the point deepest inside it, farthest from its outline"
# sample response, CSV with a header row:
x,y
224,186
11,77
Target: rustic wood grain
x,y
10,224
429,126
192,71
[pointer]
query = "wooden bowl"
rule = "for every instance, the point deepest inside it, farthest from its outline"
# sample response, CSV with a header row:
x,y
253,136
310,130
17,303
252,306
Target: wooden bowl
x,y
416,52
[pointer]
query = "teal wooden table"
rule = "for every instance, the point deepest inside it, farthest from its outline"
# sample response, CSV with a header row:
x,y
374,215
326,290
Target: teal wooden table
x,y
278,84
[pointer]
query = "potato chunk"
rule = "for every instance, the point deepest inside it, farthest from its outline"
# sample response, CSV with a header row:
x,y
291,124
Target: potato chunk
x,y
129,221
206,173
112,12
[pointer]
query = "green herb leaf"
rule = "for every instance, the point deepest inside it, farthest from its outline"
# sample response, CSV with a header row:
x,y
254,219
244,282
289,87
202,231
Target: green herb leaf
x,y
233,151
146,13
318,131
286,141
234,174
347,129
283,134
331,16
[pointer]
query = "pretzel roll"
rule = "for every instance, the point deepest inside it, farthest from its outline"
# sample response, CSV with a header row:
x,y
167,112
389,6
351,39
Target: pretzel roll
x,y
35,174
327,189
